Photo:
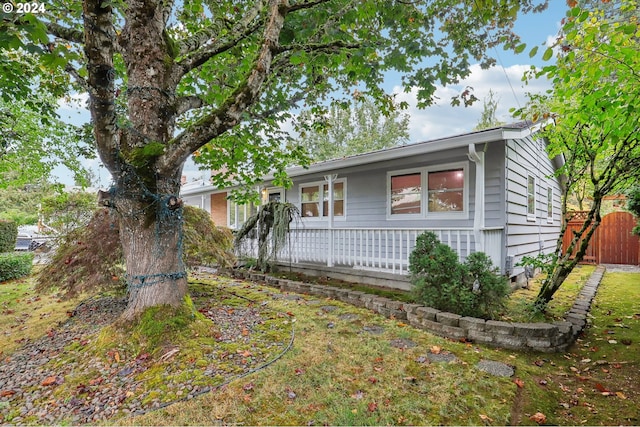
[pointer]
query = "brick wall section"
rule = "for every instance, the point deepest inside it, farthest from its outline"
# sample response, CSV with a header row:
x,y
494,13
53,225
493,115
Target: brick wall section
x,y
544,337
219,209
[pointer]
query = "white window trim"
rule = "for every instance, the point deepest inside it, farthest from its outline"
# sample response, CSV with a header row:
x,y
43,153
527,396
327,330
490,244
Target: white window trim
x,y
531,217
550,204
320,185
232,204
424,194
390,174
464,214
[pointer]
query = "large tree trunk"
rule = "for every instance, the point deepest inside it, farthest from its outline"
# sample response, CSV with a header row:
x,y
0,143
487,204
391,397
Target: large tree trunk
x,y
141,151
151,236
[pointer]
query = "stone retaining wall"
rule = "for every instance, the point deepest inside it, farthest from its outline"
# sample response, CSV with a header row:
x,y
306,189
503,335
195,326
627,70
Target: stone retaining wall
x,y
545,337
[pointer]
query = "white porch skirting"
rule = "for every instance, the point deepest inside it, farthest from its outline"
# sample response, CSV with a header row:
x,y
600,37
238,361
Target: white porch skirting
x,y
378,249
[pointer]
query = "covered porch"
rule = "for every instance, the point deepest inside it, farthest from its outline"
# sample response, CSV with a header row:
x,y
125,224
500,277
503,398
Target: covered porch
x,y
384,250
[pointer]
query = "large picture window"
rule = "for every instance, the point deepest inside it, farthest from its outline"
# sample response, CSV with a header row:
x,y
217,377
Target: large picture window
x,y
430,192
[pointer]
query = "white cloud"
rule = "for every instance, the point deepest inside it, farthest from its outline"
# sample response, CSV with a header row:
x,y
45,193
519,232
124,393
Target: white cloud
x,y
73,102
441,119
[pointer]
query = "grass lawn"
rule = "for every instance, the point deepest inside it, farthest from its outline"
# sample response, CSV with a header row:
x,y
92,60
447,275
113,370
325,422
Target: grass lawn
x,y
349,366
25,314
520,303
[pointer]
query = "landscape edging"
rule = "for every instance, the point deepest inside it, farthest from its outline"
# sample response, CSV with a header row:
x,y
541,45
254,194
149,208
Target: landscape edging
x,y
543,337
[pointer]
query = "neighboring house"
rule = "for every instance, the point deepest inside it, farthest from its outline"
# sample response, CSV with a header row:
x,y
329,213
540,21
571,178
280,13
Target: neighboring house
x,y
491,191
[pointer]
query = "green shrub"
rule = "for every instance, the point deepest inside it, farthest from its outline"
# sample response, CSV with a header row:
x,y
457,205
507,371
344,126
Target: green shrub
x,y
441,281
90,259
15,265
489,287
8,235
438,277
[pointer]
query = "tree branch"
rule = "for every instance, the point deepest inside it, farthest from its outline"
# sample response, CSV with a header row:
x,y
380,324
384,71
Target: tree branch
x,y
199,40
68,34
305,5
76,75
319,47
230,112
186,103
99,51
167,7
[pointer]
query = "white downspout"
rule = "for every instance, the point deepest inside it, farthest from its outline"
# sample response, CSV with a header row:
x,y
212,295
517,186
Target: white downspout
x,y
478,211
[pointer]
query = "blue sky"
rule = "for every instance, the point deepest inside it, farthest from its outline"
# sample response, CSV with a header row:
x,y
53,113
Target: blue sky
x,y
441,119
504,80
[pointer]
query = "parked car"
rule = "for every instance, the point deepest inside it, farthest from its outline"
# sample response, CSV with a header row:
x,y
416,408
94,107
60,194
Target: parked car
x,y
26,242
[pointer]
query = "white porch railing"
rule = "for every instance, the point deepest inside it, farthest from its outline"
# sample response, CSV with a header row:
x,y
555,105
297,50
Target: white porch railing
x,y
378,249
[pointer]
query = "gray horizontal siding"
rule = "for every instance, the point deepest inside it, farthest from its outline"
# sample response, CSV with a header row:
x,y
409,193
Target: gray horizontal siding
x,y
524,236
366,193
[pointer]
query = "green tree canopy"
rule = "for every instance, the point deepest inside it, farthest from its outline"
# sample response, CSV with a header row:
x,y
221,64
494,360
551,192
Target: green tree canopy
x,y
218,78
358,127
33,141
595,104
488,118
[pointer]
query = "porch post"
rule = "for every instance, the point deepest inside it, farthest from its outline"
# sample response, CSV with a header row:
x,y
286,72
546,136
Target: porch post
x,y
478,210
330,179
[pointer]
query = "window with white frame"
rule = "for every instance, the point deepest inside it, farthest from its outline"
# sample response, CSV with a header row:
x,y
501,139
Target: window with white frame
x,y
238,213
549,204
406,194
314,199
338,199
531,197
428,192
446,190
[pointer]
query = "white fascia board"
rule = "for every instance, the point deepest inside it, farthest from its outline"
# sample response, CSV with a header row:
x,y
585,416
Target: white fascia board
x,y
198,190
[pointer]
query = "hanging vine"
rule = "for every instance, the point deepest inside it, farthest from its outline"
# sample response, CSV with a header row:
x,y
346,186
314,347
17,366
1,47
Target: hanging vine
x,y
272,224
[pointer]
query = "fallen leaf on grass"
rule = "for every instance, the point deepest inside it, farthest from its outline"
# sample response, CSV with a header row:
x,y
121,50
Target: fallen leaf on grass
x,y
539,418
601,388
372,406
486,418
436,349
6,393
48,381
621,395
167,355
519,382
